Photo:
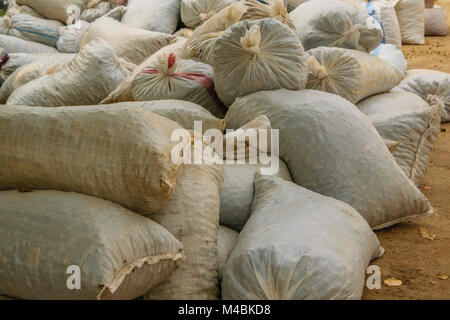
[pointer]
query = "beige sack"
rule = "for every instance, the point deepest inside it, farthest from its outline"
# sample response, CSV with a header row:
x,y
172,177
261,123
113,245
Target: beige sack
x,y
170,77
120,254
351,74
66,11
410,14
195,12
333,23
396,101
92,74
120,154
330,147
257,55
130,43
32,71
123,91
17,45
433,86
93,13
192,216
226,239
435,22
416,133
201,43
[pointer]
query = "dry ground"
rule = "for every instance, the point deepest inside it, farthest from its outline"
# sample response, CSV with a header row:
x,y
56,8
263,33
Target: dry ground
x,y
417,261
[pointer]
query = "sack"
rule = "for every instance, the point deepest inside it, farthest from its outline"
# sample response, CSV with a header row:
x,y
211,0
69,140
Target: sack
x,y
153,15
394,56
435,22
173,78
123,91
13,61
120,254
14,8
30,28
200,45
192,216
185,113
70,37
17,45
384,13
195,12
351,74
333,23
298,244
433,86
129,43
410,14
66,11
396,101
121,154
32,71
257,55
238,191
416,132
92,74
226,239
117,13
331,148
93,13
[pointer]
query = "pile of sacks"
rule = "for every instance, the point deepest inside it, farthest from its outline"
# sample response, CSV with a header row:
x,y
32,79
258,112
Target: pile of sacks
x,y
105,105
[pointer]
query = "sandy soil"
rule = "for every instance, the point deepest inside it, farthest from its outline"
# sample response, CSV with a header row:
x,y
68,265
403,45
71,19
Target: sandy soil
x,y
416,261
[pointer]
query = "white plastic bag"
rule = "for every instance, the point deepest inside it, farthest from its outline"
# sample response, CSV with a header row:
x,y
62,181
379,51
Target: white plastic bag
x,y
66,11
195,12
226,240
392,102
17,45
394,56
70,37
410,14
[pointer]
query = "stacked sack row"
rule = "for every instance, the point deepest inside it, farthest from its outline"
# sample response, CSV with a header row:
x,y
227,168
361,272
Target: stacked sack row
x,y
94,90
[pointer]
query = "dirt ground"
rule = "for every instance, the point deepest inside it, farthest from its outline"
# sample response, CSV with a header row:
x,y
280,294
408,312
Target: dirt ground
x,y
418,262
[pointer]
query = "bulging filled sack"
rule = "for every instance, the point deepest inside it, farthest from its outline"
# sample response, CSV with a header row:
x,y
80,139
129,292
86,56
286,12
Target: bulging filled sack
x,y
30,28
96,11
435,22
395,101
433,86
123,92
66,11
154,15
92,74
13,61
70,37
121,154
384,13
238,191
202,41
118,254
332,23
16,45
172,78
130,43
394,56
331,147
410,14
351,74
257,55
195,12
185,113
14,8
226,240
298,244
32,71
192,216
415,133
